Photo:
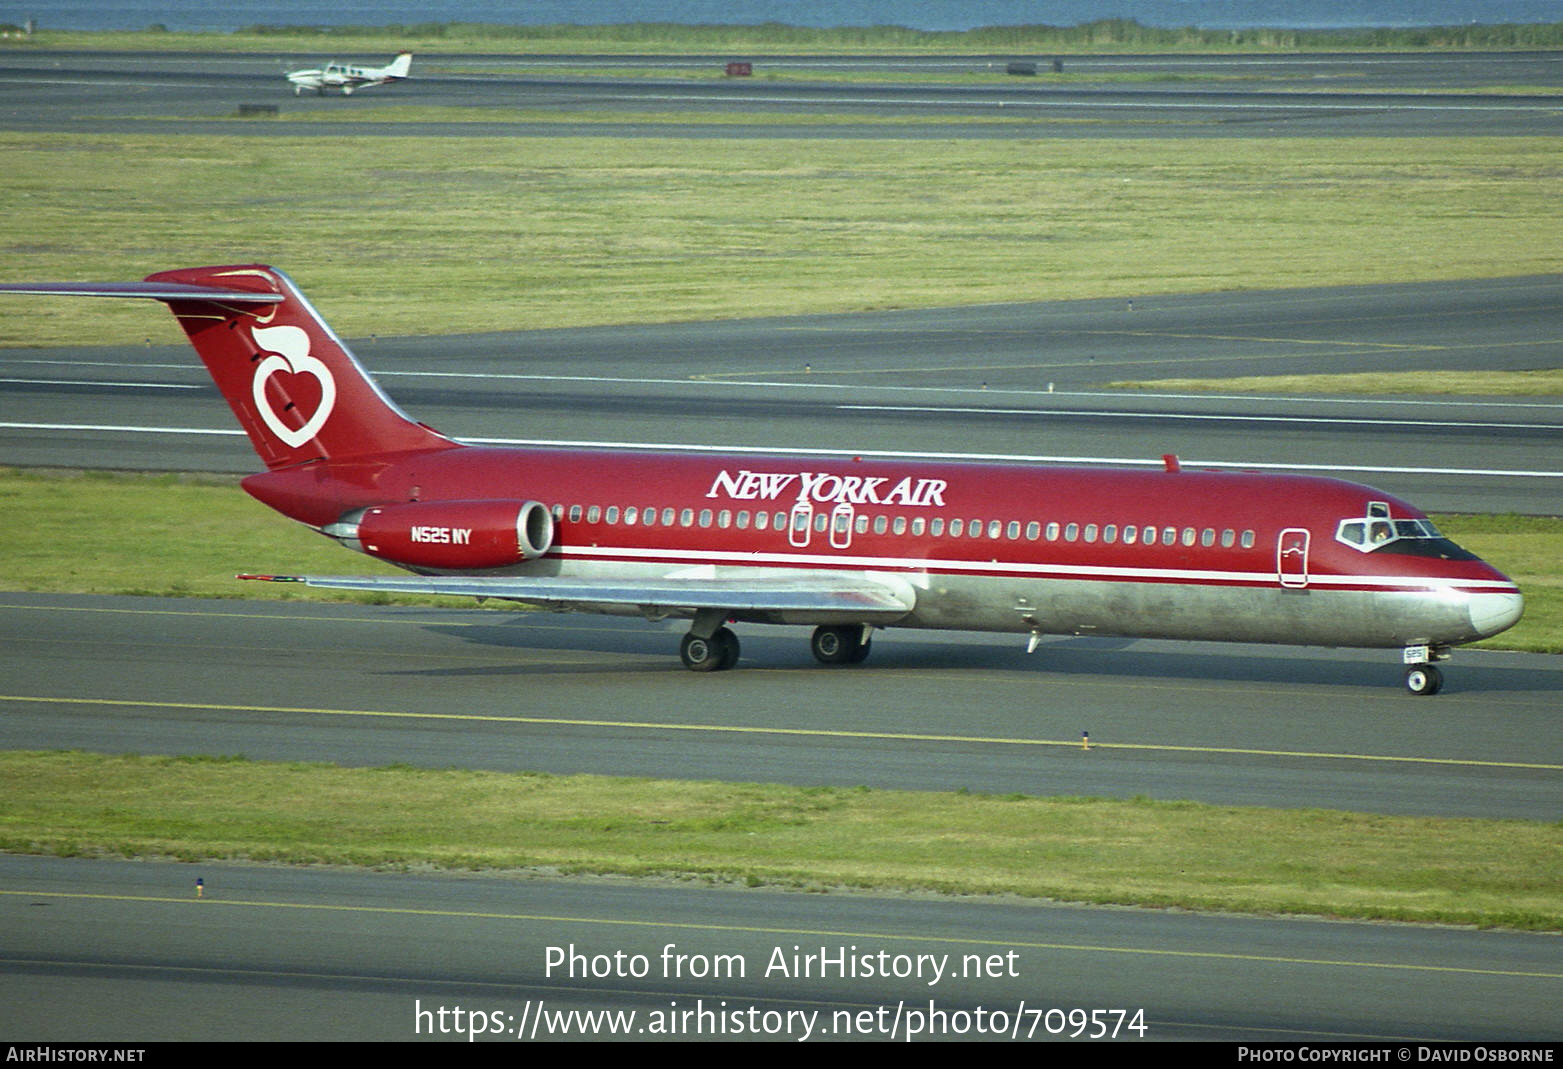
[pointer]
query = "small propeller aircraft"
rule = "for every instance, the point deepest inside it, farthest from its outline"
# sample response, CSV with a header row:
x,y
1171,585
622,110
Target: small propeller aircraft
x,y
347,76
848,544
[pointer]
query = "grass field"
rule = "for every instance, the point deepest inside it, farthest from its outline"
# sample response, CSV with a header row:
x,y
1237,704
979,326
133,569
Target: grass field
x,y
1135,852
478,234
1540,383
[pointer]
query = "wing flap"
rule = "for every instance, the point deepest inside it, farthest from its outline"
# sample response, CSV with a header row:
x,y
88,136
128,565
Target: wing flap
x,y
861,599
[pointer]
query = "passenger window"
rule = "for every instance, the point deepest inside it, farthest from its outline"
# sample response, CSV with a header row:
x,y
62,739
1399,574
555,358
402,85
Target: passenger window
x,y
1207,537
705,518
1052,531
918,526
762,520
936,527
1131,535
955,528
1248,540
899,526
1013,532
1169,536
743,520
1110,533
1071,532
995,528
1033,531
1228,537
667,516
613,514
594,514
724,519
1090,533
686,518
575,514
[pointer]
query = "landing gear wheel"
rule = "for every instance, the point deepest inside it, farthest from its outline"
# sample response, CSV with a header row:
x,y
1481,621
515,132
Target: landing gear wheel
x,y
730,648
1424,679
713,654
842,644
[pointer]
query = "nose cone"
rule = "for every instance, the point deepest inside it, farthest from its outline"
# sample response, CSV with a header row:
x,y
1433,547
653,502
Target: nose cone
x,y
1492,613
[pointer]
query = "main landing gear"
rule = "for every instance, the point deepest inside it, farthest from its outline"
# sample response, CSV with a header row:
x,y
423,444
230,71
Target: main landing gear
x,y
711,646
1422,676
715,654
841,643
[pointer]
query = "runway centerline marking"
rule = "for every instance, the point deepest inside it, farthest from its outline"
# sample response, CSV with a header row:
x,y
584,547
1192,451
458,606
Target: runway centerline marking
x,y
810,933
747,729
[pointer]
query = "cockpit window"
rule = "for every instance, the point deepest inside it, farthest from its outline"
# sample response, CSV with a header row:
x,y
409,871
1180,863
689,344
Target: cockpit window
x,y
1376,532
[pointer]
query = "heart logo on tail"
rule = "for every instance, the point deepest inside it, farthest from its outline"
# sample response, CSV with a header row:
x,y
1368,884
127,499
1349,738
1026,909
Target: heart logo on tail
x,y
289,353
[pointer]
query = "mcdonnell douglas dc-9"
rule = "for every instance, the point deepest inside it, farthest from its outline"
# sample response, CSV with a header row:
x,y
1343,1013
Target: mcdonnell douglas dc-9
x,y
847,545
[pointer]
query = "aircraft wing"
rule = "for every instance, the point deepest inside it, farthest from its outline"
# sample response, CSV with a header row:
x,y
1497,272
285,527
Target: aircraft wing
x,y
843,597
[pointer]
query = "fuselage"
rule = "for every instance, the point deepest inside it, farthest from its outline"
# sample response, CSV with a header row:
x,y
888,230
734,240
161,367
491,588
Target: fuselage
x,y
1046,550
844,543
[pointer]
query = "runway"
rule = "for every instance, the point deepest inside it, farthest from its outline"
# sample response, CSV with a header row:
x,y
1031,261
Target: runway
x,y
1436,94
115,950
376,685
1022,382
126,951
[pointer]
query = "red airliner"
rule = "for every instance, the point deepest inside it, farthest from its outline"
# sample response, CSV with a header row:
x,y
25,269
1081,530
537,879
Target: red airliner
x,y
846,544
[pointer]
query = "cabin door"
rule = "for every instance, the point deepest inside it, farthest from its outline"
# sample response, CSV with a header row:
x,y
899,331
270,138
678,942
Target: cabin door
x,y
1291,558
800,524
841,526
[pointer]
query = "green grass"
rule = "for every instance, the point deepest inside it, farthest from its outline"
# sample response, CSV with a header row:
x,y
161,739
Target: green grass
x,y
187,536
160,536
1136,852
1539,383
495,233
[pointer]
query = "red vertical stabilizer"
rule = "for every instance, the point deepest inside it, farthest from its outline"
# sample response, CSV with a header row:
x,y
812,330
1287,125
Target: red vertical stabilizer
x,y
297,390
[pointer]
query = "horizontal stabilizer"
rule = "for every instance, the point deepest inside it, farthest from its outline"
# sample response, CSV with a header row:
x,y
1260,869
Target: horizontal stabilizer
x,y
157,291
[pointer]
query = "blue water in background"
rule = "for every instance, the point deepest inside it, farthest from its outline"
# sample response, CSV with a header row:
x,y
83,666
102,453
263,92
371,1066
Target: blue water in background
x,y
230,15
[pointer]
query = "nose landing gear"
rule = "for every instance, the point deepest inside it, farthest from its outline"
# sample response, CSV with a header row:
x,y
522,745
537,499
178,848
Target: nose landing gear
x,y
1422,676
1424,679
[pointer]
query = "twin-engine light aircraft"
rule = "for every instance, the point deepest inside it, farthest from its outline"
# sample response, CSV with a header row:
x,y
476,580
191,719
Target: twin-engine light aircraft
x,y
348,77
848,544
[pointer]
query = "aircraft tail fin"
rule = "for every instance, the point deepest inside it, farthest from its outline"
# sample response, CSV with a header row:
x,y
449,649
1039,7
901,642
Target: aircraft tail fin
x,y
296,389
399,66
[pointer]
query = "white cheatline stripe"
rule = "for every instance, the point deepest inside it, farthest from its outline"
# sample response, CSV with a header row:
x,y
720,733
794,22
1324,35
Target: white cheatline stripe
x,y
899,566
